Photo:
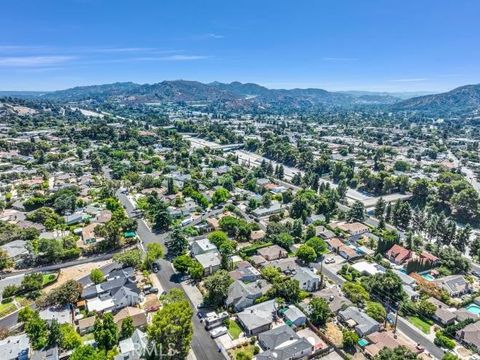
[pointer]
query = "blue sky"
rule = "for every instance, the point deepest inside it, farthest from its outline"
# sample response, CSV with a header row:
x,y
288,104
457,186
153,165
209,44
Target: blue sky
x,y
390,45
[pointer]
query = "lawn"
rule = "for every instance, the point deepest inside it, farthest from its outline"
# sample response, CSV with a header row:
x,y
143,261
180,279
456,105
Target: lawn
x,y
48,279
234,329
246,349
421,324
7,308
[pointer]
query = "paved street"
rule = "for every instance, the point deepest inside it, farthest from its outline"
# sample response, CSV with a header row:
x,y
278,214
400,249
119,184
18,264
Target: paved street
x,y
403,325
416,335
203,346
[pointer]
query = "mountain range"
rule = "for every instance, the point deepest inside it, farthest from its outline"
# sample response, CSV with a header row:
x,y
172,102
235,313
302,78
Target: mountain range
x,y
247,96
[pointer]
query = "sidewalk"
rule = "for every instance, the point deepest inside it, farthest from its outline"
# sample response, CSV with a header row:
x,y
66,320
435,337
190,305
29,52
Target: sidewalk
x,y
193,293
156,283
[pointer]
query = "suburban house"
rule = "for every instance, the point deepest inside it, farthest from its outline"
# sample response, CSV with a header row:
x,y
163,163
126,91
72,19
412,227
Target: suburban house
x,y
354,229
16,250
134,347
272,252
15,348
62,314
294,316
117,291
202,246
308,280
386,339
138,316
455,285
210,262
324,233
366,268
241,295
335,299
258,318
470,335
334,244
274,208
282,343
398,254
74,219
88,234
360,321
349,253
443,315
245,272
426,256
85,325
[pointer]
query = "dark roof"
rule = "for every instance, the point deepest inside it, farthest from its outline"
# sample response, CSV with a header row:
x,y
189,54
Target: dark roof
x,y
271,339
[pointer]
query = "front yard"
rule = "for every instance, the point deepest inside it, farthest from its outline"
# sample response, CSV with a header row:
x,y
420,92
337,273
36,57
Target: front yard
x,y
234,329
420,323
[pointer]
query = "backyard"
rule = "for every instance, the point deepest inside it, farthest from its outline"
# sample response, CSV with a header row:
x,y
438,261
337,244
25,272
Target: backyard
x,y
247,350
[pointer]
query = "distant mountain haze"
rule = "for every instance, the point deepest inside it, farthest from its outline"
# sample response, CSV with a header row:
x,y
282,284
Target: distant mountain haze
x,y
245,96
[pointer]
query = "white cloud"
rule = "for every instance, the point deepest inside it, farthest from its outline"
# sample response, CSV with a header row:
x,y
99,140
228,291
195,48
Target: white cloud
x,y
33,61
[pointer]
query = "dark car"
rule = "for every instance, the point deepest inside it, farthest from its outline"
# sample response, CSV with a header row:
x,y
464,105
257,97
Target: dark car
x,y
156,267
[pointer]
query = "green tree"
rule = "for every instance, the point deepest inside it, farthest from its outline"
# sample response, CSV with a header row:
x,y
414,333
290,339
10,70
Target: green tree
x,y
355,292
376,311
69,338
380,208
67,293
356,212
217,288
182,263
131,258
87,352
426,308
217,237
306,253
386,286
317,244
5,261
54,333
171,328
220,196
127,328
35,327
287,289
399,353
105,332
96,275
178,243
350,339
154,252
319,311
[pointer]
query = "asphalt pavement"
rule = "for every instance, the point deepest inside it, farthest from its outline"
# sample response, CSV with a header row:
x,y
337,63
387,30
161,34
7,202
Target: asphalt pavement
x,y
203,346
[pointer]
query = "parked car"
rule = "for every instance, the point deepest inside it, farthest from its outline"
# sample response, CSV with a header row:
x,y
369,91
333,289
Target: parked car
x,y
329,260
156,267
219,331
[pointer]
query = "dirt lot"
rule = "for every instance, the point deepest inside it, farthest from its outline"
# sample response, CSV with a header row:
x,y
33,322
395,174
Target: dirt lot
x,y
76,272
334,334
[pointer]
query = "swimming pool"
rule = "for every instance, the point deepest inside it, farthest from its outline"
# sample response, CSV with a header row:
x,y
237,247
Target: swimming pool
x,y
474,309
362,342
427,277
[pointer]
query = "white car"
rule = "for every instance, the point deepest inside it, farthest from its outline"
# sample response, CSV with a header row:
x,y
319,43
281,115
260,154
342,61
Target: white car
x,y
219,331
330,260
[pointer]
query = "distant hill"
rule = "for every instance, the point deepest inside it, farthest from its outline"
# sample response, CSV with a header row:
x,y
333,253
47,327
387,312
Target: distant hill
x,y
232,95
238,96
461,100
